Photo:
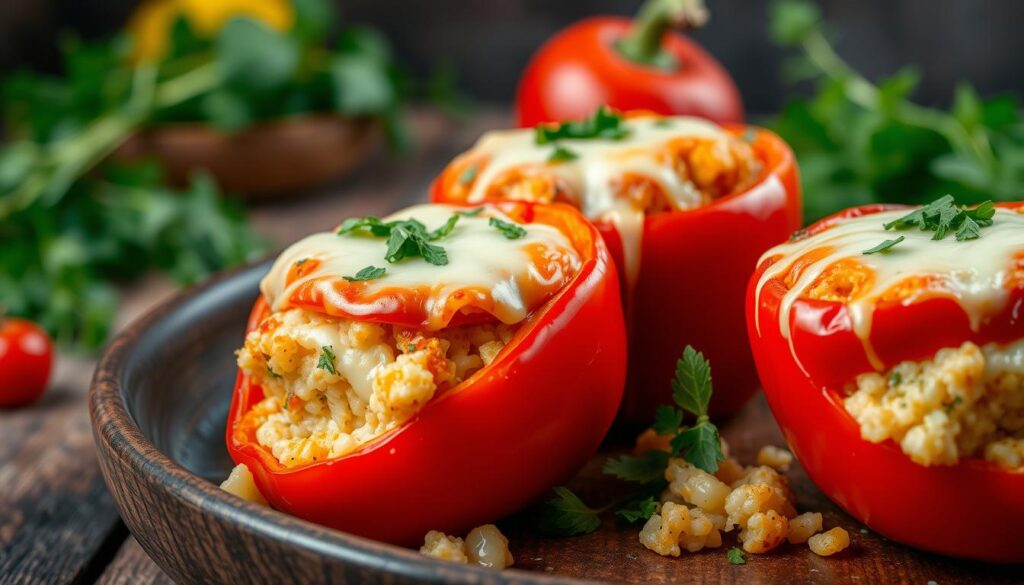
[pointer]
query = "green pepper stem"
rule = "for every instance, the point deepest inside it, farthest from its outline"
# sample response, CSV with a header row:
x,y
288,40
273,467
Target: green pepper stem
x,y
656,17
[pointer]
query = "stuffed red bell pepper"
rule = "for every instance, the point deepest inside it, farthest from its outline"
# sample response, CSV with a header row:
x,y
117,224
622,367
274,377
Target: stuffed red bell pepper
x,y
890,342
686,207
434,370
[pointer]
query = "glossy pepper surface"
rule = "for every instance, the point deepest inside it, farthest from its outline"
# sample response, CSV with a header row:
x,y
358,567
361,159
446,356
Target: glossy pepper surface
x,y
962,510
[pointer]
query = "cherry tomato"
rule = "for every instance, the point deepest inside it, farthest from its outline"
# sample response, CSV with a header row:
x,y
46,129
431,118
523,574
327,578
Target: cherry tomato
x,y
628,65
26,356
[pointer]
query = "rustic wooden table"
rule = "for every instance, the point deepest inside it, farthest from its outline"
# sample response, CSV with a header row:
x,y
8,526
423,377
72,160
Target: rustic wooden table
x,y
59,525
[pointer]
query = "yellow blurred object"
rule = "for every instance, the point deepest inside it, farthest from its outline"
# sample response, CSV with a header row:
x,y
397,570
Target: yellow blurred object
x,y
150,24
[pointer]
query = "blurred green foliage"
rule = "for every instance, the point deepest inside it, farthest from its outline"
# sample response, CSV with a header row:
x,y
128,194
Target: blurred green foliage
x,y
860,142
73,225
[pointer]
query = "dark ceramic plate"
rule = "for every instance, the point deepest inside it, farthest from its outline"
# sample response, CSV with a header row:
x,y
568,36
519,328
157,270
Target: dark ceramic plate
x,y
159,400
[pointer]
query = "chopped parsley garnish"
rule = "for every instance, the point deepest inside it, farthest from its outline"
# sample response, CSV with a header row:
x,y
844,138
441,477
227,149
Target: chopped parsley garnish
x,y
885,246
470,212
468,175
272,373
327,359
605,124
368,273
943,215
509,230
375,225
895,379
562,154
445,229
736,556
948,407
698,444
407,238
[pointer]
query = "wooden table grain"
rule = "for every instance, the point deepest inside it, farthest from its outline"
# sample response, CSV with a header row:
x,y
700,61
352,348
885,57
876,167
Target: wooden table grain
x,y
59,525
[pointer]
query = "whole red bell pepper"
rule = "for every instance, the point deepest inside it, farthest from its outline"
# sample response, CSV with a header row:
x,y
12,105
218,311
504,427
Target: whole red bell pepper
x,y
486,447
962,510
628,64
693,270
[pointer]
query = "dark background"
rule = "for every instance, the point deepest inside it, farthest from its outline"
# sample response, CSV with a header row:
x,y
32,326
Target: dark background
x,y
489,41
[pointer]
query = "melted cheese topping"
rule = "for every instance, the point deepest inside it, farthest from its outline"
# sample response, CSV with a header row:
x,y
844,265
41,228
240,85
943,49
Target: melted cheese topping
x,y
593,180
974,272
485,272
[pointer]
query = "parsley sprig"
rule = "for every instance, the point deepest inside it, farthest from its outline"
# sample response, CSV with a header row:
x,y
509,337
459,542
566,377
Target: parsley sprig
x,y
604,124
941,217
368,273
327,360
407,238
566,514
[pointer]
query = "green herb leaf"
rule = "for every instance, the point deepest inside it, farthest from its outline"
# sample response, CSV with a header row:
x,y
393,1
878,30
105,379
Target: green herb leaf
x,y
467,176
471,212
895,379
645,469
445,229
884,246
272,373
638,509
700,446
509,230
567,515
327,359
968,230
368,273
604,124
409,239
691,387
374,225
736,557
667,420
562,154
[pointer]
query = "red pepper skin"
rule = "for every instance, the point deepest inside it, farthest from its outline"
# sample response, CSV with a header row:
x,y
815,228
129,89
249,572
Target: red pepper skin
x,y
578,70
962,510
486,447
690,289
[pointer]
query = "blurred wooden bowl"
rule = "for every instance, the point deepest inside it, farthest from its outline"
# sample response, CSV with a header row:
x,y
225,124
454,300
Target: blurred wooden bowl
x,y
263,161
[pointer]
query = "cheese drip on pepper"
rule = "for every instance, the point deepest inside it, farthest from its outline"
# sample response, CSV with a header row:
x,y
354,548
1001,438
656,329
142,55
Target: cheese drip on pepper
x,y
486,272
673,160
976,273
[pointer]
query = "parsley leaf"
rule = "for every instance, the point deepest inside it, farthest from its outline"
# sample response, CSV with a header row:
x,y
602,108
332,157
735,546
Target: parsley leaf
x,y
445,229
467,176
272,373
562,154
471,212
368,273
327,359
638,509
374,225
691,387
968,230
667,420
736,557
604,124
648,468
409,239
885,246
700,445
509,230
567,515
